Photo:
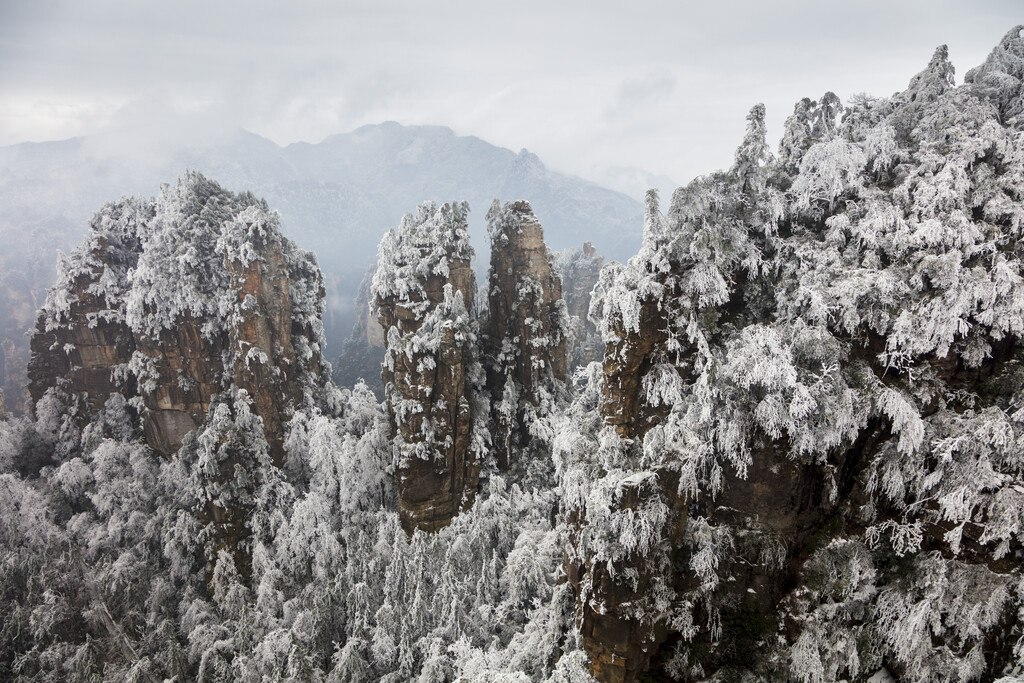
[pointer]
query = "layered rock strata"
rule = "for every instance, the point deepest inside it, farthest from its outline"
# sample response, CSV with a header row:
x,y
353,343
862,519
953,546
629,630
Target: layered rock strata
x,y
423,291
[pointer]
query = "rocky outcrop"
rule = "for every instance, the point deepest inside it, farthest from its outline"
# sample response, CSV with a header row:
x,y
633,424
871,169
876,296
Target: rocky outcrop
x,y
579,270
629,356
619,628
195,308
83,344
183,371
792,460
124,317
361,352
526,331
423,291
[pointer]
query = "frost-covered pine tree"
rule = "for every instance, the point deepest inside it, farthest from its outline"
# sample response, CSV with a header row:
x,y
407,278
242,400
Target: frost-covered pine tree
x,y
817,357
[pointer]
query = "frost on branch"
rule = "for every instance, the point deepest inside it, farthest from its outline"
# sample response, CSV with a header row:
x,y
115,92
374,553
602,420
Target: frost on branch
x,y
825,348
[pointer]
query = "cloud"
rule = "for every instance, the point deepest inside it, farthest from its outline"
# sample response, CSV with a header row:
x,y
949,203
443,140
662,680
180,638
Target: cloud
x,y
656,84
638,93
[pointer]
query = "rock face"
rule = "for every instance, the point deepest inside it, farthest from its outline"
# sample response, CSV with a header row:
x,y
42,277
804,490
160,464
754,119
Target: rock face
x,y
526,331
197,310
184,371
630,354
619,629
123,319
423,291
367,330
361,353
579,270
83,344
794,456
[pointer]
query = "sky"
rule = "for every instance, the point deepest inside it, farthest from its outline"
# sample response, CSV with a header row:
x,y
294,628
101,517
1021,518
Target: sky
x,y
596,88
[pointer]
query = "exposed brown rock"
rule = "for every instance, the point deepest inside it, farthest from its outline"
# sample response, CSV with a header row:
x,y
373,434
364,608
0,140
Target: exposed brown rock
x,y
188,371
627,359
524,293
425,311
619,644
198,308
778,499
84,342
261,338
526,333
83,348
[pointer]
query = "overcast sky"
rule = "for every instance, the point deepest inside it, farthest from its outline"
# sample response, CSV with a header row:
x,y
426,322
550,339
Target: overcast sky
x,y
587,85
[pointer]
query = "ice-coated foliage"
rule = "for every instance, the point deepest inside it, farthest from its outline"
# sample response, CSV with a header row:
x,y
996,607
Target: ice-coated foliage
x,y
854,308
525,336
116,231
179,274
420,250
105,574
422,290
578,270
824,478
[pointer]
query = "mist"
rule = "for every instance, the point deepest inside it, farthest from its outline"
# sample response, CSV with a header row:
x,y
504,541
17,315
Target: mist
x,y
662,87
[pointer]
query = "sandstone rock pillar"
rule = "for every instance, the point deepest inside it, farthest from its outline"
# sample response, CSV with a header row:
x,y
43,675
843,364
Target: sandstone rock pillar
x,y
423,291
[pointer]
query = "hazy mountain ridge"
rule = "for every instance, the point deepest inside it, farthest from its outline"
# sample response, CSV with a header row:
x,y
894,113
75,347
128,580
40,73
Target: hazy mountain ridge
x,y
801,458
374,171
336,198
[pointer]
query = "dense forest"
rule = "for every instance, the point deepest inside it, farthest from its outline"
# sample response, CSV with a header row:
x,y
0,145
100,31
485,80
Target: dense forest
x,y
786,442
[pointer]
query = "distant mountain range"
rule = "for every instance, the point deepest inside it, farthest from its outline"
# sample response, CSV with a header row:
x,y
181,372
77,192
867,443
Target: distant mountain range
x,y
336,198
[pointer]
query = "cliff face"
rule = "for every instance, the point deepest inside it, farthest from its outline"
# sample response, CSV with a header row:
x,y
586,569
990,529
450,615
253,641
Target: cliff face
x,y
434,382
191,305
797,395
183,370
527,326
125,317
83,344
423,291
361,352
579,270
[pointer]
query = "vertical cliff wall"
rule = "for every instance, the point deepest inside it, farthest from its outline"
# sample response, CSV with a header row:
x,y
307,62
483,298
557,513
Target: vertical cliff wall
x,y
174,300
423,290
190,305
526,331
83,343
579,270
800,386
